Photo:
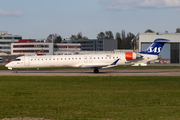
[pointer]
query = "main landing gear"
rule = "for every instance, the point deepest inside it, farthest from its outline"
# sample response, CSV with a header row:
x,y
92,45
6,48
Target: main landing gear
x,y
96,70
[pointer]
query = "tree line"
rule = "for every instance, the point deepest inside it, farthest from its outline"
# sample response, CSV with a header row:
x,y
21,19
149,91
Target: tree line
x,y
124,41
122,38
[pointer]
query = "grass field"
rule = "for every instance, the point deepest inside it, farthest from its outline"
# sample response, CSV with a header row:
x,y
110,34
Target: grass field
x,y
105,98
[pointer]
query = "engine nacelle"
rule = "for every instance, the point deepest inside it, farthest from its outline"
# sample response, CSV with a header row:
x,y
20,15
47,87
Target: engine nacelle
x,y
132,56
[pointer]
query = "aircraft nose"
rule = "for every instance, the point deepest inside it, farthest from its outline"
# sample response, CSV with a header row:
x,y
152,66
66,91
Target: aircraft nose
x,y
8,66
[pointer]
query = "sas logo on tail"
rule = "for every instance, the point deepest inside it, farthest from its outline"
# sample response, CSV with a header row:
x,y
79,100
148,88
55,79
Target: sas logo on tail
x,y
154,49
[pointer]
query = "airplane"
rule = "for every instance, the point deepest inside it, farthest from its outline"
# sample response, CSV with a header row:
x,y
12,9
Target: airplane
x,y
93,61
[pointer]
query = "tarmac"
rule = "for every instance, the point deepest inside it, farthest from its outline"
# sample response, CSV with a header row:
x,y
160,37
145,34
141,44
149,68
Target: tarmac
x,y
102,72
89,72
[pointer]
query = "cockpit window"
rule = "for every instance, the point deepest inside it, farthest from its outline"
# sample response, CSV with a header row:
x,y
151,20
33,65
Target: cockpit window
x,y
17,60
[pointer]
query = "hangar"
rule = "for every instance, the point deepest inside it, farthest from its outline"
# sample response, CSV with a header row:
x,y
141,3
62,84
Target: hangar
x,y
170,52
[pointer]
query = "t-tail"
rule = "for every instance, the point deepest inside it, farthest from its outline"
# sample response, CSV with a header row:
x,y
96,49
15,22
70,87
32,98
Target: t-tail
x,y
156,47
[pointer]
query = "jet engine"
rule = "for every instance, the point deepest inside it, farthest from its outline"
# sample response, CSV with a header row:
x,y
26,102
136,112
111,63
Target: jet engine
x,y
132,56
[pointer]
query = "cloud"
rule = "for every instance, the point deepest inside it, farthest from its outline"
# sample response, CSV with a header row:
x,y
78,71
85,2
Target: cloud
x,y
160,3
11,13
135,4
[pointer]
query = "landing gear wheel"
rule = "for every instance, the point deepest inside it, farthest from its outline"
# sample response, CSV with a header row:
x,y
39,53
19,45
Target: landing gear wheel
x,y
96,71
15,71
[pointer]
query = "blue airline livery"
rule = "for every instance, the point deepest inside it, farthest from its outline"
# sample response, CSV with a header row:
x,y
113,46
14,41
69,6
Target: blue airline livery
x,y
156,47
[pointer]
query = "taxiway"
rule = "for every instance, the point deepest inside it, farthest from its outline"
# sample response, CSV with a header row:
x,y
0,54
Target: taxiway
x,y
89,72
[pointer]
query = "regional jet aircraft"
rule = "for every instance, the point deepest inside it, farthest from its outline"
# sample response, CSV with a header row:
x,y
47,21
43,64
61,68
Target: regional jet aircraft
x,y
93,61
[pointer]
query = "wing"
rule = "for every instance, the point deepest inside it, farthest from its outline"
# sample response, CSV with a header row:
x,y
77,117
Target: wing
x,y
93,66
100,66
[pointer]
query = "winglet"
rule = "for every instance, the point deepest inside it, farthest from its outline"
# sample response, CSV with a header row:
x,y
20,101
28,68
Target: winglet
x,y
114,63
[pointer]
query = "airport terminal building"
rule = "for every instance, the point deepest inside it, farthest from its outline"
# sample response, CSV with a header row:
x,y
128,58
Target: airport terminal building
x,y
6,40
31,48
170,52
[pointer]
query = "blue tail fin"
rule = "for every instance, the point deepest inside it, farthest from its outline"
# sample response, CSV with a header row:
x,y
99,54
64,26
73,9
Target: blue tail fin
x,y
156,47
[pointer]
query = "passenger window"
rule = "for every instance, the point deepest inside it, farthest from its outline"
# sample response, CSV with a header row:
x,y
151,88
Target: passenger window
x,y
42,59
102,57
94,58
31,59
53,58
61,58
57,58
69,58
49,59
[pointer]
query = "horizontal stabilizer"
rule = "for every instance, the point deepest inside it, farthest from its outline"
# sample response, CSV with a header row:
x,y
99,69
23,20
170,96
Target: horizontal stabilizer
x,y
162,40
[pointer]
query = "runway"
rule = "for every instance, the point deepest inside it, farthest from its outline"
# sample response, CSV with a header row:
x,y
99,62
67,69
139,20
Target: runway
x,y
89,72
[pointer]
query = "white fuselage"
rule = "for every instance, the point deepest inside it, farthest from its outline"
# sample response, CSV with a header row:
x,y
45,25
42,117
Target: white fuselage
x,y
83,61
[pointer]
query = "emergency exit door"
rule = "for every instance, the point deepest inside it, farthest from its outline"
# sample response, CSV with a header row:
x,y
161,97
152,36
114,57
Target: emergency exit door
x,y
26,60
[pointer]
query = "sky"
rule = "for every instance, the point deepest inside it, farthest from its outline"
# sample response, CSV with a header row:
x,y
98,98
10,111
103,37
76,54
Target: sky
x,y
36,19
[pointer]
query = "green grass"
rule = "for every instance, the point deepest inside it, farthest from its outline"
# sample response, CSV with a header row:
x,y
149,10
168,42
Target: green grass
x,y
90,97
2,67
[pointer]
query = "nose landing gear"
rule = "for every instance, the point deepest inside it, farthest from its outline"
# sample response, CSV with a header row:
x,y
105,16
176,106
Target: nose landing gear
x,y
15,71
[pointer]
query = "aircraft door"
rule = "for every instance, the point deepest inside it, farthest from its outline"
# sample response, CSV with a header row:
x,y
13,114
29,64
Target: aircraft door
x,y
90,59
85,59
26,60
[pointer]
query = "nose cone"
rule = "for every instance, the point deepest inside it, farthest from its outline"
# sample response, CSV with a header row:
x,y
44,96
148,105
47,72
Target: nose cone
x,y
9,66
